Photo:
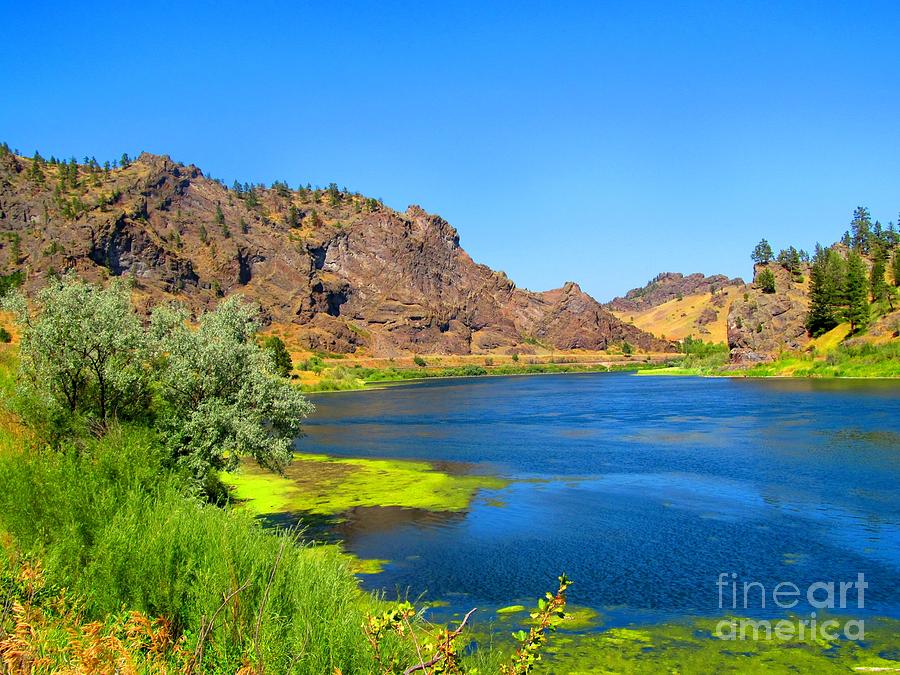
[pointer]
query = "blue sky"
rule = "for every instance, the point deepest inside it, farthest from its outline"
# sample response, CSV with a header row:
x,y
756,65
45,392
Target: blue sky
x,y
601,142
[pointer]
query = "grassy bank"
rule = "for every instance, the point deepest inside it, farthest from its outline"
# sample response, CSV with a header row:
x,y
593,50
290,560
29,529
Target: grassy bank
x,y
860,360
855,360
113,525
345,378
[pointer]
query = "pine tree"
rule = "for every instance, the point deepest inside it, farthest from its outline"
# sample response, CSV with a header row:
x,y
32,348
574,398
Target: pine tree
x,y
878,234
789,258
293,217
35,173
856,293
281,359
72,174
765,280
861,227
893,238
762,253
877,285
895,268
820,317
334,195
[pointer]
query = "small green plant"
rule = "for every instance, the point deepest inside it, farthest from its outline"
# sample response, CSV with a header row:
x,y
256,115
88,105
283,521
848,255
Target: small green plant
x,y
441,651
549,615
515,357
9,282
419,361
5,337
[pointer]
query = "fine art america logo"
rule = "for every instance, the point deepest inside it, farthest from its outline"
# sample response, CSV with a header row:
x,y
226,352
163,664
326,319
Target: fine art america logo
x,y
737,594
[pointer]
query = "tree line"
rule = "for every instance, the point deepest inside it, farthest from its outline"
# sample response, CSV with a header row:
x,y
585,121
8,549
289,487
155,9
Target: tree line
x,y
847,279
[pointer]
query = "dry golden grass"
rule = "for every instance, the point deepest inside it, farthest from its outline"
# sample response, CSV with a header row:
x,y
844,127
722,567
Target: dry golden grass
x,y
676,319
7,321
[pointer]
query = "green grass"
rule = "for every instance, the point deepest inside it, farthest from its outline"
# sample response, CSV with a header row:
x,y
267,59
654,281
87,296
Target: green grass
x,y
863,360
322,485
857,360
112,524
344,378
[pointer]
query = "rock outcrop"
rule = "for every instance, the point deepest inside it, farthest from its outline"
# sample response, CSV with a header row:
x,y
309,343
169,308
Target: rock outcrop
x,y
760,325
342,271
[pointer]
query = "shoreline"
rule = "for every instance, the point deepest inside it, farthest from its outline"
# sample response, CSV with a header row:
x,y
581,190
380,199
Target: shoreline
x,y
563,369
636,371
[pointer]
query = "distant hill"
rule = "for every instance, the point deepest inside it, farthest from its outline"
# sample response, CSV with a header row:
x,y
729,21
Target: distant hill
x,y
758,323
675,305
342,272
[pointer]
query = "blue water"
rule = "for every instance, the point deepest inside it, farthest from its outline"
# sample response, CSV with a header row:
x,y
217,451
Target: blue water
x,y
643,489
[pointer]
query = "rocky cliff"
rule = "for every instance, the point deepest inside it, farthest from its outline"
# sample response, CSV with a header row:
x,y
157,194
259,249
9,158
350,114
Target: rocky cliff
x,y
762,324
343,271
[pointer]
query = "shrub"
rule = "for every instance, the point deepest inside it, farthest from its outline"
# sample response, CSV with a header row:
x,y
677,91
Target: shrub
x,y
281,359
419,361
765,281
219,400
85,357
82,349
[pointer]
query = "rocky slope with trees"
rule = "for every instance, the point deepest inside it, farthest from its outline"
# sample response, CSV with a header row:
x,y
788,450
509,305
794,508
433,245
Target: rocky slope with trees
x,y
794,296
343,271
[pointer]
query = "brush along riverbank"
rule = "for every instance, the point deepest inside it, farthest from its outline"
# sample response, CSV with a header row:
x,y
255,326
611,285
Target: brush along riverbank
x,y
855,360
344,378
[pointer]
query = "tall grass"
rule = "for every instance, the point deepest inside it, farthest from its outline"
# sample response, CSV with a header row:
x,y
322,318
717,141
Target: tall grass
x,y
848,360
113,523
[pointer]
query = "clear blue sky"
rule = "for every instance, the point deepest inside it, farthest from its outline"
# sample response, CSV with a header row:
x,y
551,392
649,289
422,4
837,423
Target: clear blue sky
x,y
601,142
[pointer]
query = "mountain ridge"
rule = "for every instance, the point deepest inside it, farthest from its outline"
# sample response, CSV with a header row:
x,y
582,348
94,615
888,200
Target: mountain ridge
x,y
347,272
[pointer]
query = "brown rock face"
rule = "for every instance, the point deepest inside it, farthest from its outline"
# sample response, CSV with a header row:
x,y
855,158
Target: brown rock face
x,y
763,324
345,271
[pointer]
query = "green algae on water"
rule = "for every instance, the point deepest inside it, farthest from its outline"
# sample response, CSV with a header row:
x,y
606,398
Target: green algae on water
x,y
691,647
512,609
323,485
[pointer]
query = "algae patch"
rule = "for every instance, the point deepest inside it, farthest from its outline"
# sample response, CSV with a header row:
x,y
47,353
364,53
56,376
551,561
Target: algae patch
x,y
691,648
323,485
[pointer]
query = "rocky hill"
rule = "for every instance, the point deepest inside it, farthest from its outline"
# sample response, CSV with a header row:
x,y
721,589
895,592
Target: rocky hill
x,y
760,325
675,305
670,286
342,271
